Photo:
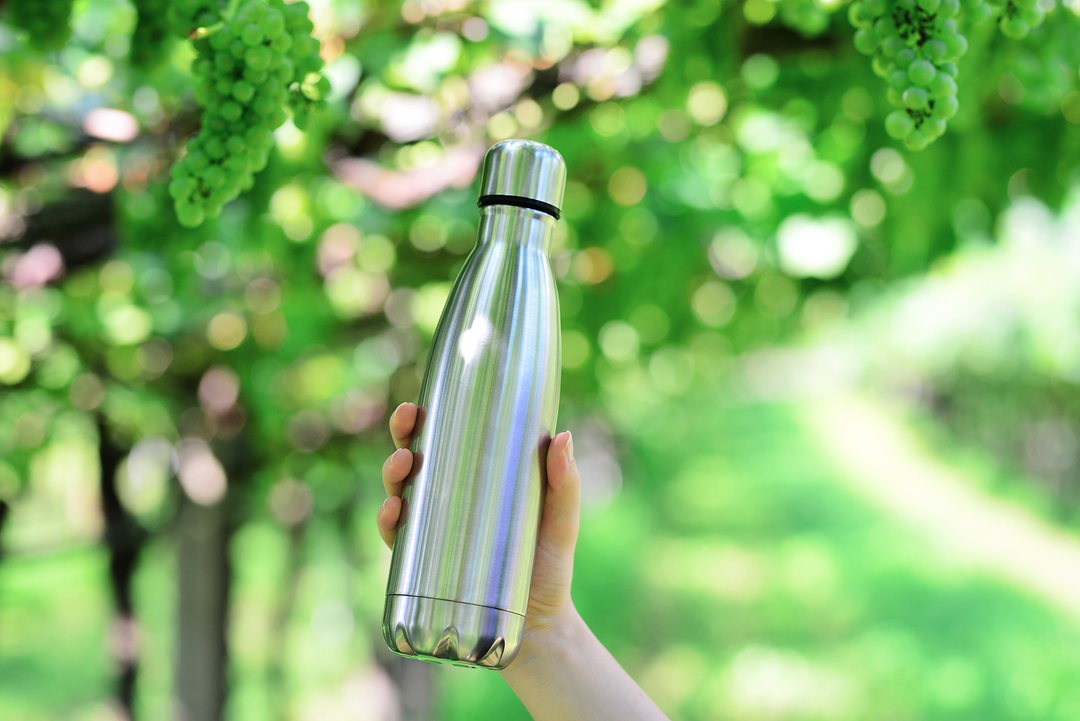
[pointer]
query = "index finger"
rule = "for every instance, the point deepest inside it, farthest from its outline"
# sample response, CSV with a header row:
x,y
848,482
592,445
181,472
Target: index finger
x,y
402,423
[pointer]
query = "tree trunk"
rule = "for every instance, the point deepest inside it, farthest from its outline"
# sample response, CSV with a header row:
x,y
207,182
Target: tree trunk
x,y
4,509
124,538
202,621
414,680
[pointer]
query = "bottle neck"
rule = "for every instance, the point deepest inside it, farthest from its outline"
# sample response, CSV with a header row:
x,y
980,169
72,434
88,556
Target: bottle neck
x,y
526,227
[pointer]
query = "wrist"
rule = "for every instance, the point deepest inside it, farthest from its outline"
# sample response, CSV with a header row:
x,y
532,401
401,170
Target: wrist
x,y
543,643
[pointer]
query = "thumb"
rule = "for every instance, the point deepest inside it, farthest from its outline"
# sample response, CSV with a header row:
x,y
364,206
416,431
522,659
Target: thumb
x,y
559,523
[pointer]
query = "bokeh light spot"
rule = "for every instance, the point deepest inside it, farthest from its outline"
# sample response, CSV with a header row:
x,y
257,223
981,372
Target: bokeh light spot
x,y
201,474
14,361
619,341
759,12
817,248
760,71
111,124
291,502
732,254
218,390
226,330
565,96
627,186
706,103
713,303
593,265
128,325
651,323
824,181
868,208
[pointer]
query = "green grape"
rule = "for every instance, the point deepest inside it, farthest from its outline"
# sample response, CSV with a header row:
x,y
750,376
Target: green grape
x,y
933,129
949,68
891,46
915,140
1033,16
929,5
46,22
898,124
1014,27
916,98
898,81
979,13
943,84
949,8
945,107
866,41
882,66
904,58
243,91
934,49
251,36
957,45
895,97
921,72
858,16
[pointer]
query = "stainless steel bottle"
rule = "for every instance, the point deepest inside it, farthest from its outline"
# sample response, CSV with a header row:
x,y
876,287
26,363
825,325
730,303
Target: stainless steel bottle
x,y
462,562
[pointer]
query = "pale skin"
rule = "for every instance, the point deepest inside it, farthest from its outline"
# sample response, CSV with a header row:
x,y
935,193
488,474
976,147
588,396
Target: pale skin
x,y
562,672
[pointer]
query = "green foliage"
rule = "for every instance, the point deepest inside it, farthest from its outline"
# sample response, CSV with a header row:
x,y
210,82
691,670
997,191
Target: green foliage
x,y
739,181
150,41
46,22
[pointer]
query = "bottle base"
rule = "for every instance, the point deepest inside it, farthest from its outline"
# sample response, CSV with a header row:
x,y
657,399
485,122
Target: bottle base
x,y
464,634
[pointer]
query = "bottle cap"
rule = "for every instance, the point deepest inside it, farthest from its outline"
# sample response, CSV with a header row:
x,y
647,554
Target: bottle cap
x,y
523,173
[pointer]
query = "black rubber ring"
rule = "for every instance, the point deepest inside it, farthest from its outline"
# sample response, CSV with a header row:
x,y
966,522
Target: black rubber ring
x,y
531,203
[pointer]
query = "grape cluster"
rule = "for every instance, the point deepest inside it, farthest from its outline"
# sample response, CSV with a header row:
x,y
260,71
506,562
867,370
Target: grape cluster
x,y
249,66
150,38
913,44
46,22
1018,17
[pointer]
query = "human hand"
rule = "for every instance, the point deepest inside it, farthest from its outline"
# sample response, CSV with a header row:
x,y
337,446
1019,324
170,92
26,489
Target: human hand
x,y
550,607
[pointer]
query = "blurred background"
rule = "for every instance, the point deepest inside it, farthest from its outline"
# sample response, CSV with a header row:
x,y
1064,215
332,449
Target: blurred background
x,y
824,391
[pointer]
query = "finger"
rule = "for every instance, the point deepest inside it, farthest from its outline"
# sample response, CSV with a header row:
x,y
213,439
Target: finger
x,y
387,520
395,469
559,524
401,424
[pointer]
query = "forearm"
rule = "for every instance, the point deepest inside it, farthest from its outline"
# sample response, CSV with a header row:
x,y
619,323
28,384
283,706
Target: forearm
x,y
568,675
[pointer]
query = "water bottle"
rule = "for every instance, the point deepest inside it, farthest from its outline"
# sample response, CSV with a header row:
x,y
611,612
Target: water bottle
x,y
462,562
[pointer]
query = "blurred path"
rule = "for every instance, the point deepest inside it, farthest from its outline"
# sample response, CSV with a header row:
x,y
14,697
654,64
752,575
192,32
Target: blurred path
x,y
886,462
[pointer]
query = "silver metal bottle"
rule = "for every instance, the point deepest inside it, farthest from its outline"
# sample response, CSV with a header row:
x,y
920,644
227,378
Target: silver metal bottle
x,y
462,562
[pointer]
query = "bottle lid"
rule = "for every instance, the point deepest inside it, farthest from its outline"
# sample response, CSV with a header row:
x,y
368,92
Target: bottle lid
x,y
523,173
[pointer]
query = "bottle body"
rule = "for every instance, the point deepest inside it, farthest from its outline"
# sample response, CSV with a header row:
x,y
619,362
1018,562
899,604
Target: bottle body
x,y
462,562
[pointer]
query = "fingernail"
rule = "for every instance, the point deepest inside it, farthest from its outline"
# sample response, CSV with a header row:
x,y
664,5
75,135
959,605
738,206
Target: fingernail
x,y
384,503
394,414
569,449
399,456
